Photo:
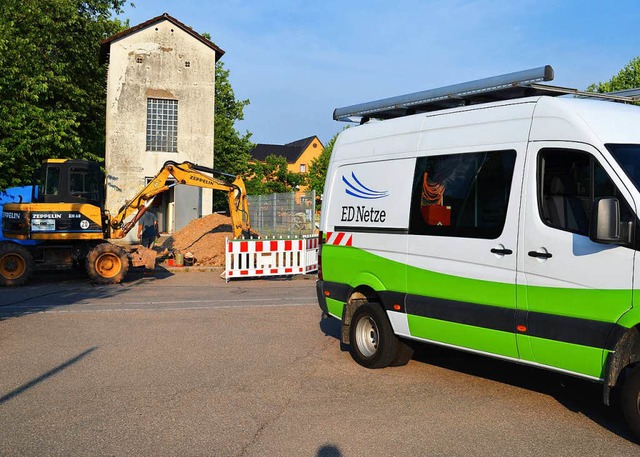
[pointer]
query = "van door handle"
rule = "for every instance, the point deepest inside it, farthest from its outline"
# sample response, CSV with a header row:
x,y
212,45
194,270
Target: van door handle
x,y
501,251
540,255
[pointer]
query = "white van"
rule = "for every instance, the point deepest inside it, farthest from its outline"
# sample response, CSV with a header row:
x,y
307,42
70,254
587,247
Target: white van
x,y
508,228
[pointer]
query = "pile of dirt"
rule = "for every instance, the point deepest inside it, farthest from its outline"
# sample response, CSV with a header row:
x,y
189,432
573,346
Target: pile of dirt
x,y
204,238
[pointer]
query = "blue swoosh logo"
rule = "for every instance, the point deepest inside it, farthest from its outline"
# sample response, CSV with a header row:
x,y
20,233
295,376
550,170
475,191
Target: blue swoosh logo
x,y
356,189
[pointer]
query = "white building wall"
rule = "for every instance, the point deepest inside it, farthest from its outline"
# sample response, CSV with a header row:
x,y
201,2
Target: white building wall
x,y
164,50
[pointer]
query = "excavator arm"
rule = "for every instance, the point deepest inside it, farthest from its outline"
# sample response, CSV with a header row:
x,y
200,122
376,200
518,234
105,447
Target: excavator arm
x,y
191,175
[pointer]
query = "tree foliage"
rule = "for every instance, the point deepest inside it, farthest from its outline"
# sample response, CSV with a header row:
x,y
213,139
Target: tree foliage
x,y
318,169
627,78
272,176
231,149
52,86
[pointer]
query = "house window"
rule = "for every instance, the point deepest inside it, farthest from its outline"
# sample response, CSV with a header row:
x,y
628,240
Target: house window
x,y
162,125
303,168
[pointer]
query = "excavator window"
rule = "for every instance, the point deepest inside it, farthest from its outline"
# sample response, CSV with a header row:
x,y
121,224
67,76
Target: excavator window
x,y
72,181
84,184
52,181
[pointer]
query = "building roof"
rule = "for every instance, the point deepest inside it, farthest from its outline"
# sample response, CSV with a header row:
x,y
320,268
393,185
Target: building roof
x,y
290,151
303,143
106,44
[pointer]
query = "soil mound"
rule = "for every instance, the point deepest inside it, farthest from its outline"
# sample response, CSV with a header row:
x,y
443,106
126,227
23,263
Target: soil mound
x,y
204,238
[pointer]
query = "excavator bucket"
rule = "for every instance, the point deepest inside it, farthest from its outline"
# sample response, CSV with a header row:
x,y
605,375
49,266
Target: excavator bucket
x,y
143,257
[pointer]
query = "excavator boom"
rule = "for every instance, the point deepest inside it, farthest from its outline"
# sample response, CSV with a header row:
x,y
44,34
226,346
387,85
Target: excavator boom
x,y
188,174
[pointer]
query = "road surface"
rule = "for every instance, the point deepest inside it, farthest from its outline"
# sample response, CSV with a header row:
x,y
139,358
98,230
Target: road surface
x,y
185,364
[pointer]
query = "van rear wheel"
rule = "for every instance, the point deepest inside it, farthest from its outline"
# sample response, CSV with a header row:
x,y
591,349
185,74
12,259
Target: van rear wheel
x,y
373,343
631,401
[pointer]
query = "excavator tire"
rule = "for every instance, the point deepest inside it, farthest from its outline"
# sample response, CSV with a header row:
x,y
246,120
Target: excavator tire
x,y
107,264
16,265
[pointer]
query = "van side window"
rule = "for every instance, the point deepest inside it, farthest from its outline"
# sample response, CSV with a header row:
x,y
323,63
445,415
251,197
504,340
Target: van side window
x,y
568,182
464,195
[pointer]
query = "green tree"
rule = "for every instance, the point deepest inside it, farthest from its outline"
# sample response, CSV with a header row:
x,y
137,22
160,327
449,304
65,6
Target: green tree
x,y
318,169
52,86
231,149
627,78
272,176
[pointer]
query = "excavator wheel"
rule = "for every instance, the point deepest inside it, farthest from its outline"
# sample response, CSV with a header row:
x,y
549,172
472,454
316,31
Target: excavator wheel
x,y
16,265
107,264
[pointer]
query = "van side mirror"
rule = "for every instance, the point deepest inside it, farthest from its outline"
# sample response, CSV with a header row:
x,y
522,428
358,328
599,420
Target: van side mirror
x,y
605,221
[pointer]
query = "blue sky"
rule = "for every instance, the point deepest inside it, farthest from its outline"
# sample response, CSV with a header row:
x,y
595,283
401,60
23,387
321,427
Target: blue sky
x,y
298,60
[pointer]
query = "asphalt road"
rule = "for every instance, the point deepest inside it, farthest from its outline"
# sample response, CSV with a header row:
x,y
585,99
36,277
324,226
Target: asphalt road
x,y
185,364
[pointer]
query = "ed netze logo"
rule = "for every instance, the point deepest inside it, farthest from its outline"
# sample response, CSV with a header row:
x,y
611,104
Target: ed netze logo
x,y
362,213
356,189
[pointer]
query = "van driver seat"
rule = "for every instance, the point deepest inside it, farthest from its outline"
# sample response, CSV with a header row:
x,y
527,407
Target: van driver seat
x,y
564,207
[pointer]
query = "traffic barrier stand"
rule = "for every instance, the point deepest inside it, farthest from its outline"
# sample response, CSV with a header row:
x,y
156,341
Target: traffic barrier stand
x,y
312,246
270,257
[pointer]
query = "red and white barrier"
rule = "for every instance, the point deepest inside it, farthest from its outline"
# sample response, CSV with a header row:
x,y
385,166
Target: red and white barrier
x,y
311,254
251,258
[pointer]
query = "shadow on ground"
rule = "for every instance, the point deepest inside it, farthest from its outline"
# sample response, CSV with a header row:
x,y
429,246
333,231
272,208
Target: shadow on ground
x,y
577,395
329,450
43,377
57,289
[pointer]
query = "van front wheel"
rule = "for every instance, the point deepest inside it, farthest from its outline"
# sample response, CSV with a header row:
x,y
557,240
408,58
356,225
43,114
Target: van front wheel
x,y
631,401
373,343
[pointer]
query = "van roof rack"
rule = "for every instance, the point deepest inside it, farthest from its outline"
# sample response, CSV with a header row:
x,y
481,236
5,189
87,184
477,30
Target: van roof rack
x,y
496,88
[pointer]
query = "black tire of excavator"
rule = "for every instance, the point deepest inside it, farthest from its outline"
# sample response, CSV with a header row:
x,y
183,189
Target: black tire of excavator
x,y
107,264
16,265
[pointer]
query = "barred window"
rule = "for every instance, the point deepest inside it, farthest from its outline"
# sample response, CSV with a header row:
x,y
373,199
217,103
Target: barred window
x,y
162,125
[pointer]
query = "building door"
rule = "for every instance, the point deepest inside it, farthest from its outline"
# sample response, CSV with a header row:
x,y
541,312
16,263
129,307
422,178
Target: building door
x,y
188,205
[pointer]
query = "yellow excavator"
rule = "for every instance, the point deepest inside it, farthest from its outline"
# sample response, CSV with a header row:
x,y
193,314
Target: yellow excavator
x,y
66,223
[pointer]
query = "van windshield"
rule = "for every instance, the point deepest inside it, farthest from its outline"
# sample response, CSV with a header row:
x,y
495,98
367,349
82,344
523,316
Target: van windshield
x,y
628,157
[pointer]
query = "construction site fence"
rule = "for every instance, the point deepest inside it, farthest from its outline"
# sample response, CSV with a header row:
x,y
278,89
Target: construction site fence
x,y
290,214
270,257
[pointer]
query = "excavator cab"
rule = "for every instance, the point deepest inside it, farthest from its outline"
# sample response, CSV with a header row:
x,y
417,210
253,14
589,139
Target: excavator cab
x,y
67,204
70,181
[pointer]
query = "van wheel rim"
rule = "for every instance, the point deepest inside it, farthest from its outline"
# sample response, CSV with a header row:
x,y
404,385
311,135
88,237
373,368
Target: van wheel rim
x,y
367,336
12,266
108,265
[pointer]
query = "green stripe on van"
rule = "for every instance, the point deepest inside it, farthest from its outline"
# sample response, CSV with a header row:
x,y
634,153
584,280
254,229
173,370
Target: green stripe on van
x,y
335,308
478,338
475,314
570,357
348,264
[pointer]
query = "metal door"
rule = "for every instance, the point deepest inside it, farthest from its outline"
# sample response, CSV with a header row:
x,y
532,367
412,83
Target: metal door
x,y
188,205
